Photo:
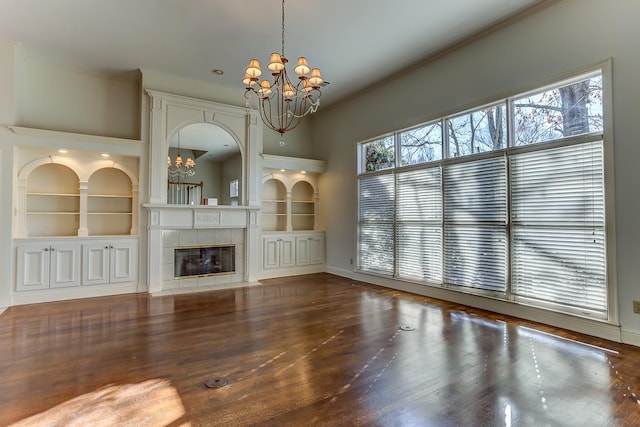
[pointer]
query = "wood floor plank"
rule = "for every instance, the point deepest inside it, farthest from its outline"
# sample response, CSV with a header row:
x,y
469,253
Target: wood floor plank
x,y
306,350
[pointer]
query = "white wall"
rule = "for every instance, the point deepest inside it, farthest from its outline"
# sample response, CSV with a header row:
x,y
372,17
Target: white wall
x,y
566,36
56,98
7,97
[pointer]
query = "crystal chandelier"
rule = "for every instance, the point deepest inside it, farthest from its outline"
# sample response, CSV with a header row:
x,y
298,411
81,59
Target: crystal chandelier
x,y
180,170
282,103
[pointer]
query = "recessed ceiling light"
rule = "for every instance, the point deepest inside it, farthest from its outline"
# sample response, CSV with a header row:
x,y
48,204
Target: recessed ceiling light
x,y
63,151
105,154
281,170
303,171
217,71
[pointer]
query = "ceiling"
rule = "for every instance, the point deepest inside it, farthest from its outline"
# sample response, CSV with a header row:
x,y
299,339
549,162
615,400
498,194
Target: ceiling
x,y
353,42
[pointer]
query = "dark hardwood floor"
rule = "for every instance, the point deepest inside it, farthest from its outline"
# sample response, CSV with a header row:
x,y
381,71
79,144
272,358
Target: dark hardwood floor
x,y
307,350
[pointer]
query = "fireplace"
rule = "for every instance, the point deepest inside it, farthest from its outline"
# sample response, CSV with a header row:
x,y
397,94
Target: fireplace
x,y
204,260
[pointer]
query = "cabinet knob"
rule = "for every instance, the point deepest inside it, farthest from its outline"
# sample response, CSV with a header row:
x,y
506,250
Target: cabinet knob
x,y
52,249
106,247
46,249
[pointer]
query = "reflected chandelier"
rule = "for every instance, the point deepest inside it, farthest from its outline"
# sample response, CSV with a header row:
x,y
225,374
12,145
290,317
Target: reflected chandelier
x,y
282,103
180,170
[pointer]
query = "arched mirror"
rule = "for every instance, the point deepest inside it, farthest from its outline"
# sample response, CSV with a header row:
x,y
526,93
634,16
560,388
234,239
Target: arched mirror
x,y
204,167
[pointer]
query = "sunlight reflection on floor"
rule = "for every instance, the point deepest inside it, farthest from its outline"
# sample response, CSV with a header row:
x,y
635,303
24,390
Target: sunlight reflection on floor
x,y
150,403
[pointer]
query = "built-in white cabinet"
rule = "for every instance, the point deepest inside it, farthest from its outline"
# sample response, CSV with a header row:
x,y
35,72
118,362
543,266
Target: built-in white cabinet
x,y
279,251
310,249
41,265
75,216
291,241
109,261
291,253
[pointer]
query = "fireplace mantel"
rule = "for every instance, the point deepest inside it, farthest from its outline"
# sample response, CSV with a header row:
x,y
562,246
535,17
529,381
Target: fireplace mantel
x,y
163,216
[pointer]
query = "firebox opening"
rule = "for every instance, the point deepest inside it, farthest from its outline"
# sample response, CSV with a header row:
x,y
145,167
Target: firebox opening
x,y
204,261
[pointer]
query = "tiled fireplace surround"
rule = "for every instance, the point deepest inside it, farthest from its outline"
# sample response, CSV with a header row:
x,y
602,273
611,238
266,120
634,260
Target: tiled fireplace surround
x,y
172,239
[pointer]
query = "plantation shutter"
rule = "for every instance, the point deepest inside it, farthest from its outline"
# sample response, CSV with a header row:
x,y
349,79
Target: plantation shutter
x,y
558,231
475,217
419,224
375,224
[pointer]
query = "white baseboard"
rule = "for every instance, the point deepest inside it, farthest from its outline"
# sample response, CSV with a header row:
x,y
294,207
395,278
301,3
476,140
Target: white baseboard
x,y
630,337
292,271
49,295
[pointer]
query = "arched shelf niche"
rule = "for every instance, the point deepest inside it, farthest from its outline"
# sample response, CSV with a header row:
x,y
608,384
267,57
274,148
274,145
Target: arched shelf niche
x,y
56,196
274,205
52,194
302,206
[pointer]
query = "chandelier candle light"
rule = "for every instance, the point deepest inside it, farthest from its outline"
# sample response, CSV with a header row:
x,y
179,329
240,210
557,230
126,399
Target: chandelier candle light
x,y
179,170
282,103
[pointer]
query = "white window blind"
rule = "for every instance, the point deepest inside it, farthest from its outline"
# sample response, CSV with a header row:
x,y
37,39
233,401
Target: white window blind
x,y
375,224
419,227
475,217
558,234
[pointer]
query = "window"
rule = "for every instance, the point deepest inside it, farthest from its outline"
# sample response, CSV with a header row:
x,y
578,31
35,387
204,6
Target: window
x,y
419,224
233,192
558,226
481,130
421,144
517,215
559,112
379,154
475,213
375,219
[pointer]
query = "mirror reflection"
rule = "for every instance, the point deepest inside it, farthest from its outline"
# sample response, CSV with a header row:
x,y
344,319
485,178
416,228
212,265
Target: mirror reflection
x,y
204,167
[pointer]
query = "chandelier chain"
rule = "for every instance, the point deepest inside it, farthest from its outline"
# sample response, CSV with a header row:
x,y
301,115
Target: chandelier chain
x,y
283,29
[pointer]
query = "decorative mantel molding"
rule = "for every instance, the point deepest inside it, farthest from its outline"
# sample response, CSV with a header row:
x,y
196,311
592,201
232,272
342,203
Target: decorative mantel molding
x,y
165,216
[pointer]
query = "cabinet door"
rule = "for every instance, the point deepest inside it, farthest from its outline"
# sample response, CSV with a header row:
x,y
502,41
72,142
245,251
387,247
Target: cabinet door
x,y
302,250
287,251
316,250
32,268
64,270
123,262
95,257
270,252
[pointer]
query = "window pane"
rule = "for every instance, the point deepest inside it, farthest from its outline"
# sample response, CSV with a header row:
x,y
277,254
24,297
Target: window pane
x,y
419,195
422,144
476,191
562,266
573,109
559,186
376,195
375,248
476,256
478,131
379,154
420,252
